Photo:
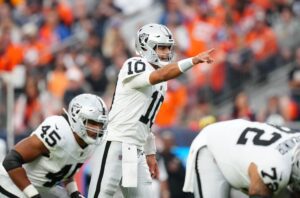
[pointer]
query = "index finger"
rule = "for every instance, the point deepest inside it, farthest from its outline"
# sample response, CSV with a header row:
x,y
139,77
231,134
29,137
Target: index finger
x,y
210,51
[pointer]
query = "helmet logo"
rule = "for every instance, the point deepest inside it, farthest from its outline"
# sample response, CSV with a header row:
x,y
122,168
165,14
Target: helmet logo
x,y
75,109
143,39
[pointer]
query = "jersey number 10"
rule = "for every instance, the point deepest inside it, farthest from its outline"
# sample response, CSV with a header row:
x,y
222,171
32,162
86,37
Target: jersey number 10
x,y
152,109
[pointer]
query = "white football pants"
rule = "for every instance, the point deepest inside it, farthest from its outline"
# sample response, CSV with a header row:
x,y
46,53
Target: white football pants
x,y
107,173
209,180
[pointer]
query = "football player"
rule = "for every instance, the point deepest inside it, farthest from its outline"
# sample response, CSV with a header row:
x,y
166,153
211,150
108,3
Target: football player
x,y
42,163
259,159
127,159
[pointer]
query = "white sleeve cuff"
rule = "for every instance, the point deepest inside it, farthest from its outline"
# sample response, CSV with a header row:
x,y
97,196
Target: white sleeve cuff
x,y
150,146
71,187
185,64
30,191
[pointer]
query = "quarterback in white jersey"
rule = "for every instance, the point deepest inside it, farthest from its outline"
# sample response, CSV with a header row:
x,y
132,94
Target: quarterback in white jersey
x,y
54,152
127,159
257,158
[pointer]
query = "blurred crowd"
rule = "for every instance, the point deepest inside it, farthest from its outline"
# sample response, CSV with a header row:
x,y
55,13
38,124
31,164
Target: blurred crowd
x,y
57,49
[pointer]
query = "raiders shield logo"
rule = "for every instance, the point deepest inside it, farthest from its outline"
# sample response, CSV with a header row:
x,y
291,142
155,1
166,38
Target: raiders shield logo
x,y
143,39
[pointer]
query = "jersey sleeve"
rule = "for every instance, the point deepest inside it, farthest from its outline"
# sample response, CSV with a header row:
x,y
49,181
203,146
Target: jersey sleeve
x,y
276,175
49,133
136,73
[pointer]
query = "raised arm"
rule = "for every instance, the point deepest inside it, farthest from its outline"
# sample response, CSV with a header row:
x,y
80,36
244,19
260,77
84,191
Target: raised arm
x,y
173,70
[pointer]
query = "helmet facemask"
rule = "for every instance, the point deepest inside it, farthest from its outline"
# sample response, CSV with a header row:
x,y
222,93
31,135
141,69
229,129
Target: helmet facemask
x,y
93,130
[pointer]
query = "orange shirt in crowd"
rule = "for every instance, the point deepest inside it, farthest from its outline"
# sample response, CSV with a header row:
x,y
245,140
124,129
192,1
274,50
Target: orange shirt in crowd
x,y
58,83
39,48
10,58
263,4
47,35
13,2
32,108
200,33
65,12
174,102
263,43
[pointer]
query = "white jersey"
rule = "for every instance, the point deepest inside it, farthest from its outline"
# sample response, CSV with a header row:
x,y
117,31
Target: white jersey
x,y
235,144
134,107
65,155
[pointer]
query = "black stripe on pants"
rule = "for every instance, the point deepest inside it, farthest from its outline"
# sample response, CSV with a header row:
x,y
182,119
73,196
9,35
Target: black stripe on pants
x,y
8,194
198,175
98,186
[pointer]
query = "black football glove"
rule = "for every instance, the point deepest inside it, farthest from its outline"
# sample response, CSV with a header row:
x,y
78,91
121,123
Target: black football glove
x,y
36,196
76,194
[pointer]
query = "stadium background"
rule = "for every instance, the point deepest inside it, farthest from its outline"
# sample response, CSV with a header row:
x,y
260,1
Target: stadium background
x,y
52,50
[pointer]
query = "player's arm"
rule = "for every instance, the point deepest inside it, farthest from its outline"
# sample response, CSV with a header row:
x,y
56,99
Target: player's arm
x,y
25,151
173,70
72,189
257,188
150,152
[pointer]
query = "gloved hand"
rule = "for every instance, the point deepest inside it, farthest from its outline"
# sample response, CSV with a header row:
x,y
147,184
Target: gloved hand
x,y
76,194
36,196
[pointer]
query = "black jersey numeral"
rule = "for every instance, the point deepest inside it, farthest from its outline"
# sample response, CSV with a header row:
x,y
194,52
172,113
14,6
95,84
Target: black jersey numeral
x,y
138,67
257,140
273,186
152,109
58,176
50,138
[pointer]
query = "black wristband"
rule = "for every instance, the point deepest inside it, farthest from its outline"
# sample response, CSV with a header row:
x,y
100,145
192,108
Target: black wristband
x,y
37,196
259,196
76,194
12,160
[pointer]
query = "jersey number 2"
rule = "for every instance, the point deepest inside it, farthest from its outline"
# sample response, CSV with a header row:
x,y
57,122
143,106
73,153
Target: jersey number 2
x,y
257,138
152,109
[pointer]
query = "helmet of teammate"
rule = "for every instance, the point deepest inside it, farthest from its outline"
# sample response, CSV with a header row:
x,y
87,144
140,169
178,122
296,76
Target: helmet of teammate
x,y
149,37
296,169
83,110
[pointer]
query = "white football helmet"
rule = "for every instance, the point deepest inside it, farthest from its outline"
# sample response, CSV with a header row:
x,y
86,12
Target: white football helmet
x,y
149,37
84,108
296,169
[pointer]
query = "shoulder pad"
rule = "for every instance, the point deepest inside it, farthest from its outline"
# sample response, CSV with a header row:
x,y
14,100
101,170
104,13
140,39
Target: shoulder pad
x,y
53,131
135,66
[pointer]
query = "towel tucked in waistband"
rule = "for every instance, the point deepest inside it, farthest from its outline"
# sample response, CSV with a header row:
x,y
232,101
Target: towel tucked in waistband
x,y
129,165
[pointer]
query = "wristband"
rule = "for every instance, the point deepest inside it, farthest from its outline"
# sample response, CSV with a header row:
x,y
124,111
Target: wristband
x,y
259,196
30,191
150,146
185,64
71,187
